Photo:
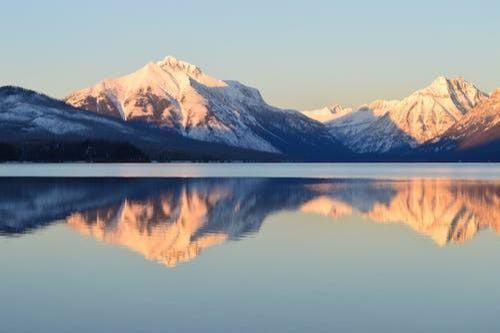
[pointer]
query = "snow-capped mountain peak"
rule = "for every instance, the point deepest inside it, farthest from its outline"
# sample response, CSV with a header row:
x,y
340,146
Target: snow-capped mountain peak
x,y
441,84
461,93
179,96
386,125
179,65
335,108
153,94
328,113
179,68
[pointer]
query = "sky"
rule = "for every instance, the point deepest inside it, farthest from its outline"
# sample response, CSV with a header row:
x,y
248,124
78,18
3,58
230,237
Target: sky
x,y
299,54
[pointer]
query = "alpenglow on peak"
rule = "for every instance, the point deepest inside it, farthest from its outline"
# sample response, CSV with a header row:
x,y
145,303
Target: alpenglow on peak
x,y
179,65
177,96
444,86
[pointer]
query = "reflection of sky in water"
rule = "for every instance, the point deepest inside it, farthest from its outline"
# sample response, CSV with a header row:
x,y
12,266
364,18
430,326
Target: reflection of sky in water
x,y
314,255
296,170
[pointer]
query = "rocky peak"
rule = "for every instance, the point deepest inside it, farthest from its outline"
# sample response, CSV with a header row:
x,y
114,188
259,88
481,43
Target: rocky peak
x,y
457,88
327,113
175,64
335,108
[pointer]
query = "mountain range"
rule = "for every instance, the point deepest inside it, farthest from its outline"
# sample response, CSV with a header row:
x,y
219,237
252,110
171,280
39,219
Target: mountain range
x,y
433,117
172,110
35,127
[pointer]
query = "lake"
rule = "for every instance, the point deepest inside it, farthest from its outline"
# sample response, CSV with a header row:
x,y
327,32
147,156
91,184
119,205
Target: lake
x,y
249,248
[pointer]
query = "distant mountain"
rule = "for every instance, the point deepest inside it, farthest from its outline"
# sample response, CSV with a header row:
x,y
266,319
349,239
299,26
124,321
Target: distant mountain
x,y
35,127
328,113
176,95
389,126
350,127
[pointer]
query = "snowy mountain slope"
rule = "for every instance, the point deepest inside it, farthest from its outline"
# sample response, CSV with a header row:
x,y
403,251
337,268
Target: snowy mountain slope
x,y
429,112
327,113
25,114
352,124
478,126
177,95
385,126
39,128
475,135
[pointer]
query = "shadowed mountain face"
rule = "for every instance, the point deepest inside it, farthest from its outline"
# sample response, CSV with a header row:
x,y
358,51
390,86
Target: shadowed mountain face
x,y
173,220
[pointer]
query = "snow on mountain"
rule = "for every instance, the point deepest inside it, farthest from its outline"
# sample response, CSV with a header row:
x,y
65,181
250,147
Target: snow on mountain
x,y
385,126
479,127
485,117
327,113
429,112
36,127
194,114
175,94
355,122
25,114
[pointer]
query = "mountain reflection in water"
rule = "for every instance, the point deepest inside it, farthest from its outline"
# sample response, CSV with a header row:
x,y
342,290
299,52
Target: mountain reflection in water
x,y
173,220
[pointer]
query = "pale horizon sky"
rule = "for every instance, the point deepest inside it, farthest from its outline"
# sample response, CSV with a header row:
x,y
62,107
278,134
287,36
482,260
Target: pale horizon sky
x,y
299,54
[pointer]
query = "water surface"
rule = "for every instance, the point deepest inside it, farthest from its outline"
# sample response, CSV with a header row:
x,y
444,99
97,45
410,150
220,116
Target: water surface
x,y
275,170
251,254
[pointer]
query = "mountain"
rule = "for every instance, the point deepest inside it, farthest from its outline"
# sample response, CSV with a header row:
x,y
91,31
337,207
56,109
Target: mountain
x,y
327,113
170,110
175,95
353,125
391,126
35,127
476,136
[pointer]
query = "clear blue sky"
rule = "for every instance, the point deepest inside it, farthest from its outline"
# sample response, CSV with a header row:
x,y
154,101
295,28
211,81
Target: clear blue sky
x,y
300,54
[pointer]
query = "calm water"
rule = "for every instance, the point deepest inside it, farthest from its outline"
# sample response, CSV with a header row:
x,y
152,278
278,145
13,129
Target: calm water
x,y
363,248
